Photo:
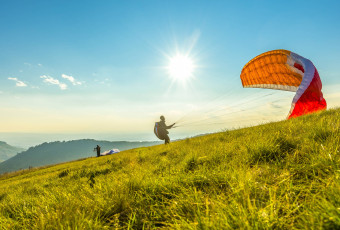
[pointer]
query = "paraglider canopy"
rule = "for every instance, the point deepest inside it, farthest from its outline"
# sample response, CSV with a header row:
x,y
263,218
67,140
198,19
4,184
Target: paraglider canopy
x,y
109,152
285,70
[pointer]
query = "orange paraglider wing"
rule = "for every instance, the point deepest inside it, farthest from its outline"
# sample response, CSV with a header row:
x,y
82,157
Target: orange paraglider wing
x,y
285,70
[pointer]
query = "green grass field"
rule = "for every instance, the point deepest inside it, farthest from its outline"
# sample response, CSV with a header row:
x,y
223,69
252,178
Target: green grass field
x,y
283,175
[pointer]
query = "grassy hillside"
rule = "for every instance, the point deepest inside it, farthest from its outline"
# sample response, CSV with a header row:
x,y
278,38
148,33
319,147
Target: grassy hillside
x,y
283,175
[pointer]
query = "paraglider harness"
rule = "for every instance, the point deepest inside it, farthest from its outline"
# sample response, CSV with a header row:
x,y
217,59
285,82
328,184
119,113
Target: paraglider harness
x,y
159,131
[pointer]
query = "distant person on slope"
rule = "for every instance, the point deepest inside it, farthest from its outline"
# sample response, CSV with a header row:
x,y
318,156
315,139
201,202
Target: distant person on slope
x,y
162,132
97,148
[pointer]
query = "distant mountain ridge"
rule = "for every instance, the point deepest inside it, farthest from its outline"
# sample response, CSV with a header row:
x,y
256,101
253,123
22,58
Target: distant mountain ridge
x,y
63,151
7,151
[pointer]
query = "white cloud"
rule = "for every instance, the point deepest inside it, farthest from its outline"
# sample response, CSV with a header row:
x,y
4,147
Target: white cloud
x,y
40,65
71,79
18,82
51,80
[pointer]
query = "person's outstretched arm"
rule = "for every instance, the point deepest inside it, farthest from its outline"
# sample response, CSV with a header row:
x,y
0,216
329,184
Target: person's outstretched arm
x,y
170,126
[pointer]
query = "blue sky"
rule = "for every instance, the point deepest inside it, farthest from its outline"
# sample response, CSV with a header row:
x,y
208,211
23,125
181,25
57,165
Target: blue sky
x,y
98,68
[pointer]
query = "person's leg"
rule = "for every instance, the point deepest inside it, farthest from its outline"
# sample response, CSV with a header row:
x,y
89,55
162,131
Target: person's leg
x,y
167,140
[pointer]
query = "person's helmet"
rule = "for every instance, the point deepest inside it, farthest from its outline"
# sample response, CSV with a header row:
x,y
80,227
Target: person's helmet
x,y
162,118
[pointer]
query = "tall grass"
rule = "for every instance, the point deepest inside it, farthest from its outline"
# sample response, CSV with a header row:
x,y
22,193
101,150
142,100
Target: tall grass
x,y
281,175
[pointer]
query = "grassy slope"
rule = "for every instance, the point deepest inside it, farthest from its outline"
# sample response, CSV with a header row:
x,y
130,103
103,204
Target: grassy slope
x,y
279,175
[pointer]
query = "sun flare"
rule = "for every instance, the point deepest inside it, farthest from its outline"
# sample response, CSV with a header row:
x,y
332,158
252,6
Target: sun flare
x,y
181,67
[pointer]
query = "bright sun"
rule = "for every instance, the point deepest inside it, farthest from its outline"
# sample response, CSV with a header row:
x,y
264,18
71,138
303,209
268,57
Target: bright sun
x,y
181,67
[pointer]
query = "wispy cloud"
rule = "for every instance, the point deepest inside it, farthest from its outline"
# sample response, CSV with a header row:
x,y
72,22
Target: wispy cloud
x,y
18,82
71,79
51,80
273,105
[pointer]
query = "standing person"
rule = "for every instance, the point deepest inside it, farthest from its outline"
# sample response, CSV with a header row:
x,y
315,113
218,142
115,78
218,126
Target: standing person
x,y
161,130
97,148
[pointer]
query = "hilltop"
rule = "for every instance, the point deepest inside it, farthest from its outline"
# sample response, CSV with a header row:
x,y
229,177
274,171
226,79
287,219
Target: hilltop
x,y
7,151
63,151
283,175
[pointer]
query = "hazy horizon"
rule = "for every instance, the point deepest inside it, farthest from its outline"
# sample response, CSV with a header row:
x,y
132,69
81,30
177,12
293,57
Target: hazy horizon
x,y
26,140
